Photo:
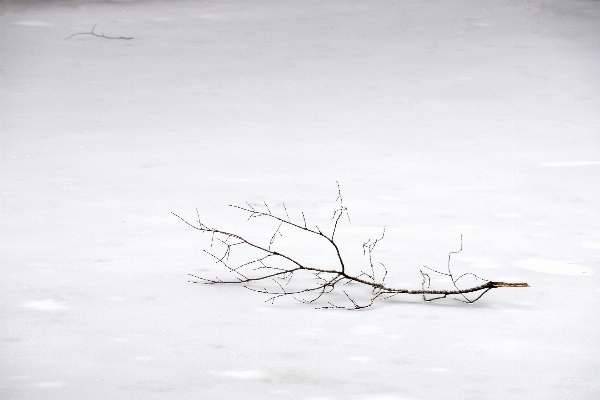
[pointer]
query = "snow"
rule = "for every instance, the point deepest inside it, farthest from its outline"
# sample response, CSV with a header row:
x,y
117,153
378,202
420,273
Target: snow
x,y
553,267
437,119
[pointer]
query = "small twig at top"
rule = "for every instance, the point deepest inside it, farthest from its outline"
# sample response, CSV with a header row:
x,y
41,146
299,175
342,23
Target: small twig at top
x,y
100,35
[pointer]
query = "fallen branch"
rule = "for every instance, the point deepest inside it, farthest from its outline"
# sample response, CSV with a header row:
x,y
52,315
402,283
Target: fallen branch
x,y
266,268
100,35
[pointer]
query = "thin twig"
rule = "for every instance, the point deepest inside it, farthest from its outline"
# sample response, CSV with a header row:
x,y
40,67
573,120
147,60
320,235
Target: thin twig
x,y
98,35
324,281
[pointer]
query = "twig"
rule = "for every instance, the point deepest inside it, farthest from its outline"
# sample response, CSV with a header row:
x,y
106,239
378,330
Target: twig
x,y
100,35
324,280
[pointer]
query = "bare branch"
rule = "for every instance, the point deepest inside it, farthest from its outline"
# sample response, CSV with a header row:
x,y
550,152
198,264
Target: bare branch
x,y
286,213
270,213
337,214
368,248
274,235
288,272
98,35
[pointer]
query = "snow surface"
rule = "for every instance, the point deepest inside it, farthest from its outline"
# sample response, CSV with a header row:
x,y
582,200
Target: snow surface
x,y
438,118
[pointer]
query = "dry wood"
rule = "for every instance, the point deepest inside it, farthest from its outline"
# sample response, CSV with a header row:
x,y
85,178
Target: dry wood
x,y
100,35
322,280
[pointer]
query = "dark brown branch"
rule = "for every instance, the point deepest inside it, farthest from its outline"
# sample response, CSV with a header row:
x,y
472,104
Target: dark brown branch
x,y
100,35
324,280
506,284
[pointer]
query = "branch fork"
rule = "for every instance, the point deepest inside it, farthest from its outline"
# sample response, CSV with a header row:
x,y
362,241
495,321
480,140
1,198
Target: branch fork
x,y
265,274
98,35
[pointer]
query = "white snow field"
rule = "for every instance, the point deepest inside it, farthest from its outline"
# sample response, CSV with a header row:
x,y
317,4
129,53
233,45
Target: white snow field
x,y
437,118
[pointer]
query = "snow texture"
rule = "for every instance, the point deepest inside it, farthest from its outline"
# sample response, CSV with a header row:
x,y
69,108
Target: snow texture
x,y
438,118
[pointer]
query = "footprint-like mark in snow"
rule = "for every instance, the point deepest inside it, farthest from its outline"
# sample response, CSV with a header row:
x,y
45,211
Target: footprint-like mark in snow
x,y
553,267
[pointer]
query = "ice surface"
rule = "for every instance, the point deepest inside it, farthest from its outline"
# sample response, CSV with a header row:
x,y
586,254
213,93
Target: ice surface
x,y
554,267
437,118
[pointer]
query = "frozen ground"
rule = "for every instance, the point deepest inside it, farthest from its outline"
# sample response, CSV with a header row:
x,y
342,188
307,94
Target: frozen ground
x,y
438,118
